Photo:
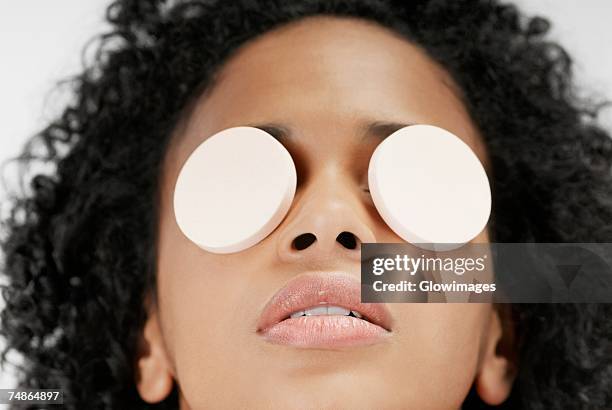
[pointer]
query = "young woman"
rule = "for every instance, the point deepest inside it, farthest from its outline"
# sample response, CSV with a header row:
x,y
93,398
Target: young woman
x,y
110,302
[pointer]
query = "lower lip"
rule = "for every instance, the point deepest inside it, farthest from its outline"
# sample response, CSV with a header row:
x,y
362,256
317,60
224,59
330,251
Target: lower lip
x,y
325,331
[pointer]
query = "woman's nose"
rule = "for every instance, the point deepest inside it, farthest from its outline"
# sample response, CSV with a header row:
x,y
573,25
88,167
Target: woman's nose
x,y
326,222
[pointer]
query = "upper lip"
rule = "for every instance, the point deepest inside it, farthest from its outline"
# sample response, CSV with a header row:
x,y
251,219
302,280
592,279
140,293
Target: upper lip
x,y
313,289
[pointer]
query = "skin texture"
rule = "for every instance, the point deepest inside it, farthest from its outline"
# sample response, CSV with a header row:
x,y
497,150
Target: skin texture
x,y
201,329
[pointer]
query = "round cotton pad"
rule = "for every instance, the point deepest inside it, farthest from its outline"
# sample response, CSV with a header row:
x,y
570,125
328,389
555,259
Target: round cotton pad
x,y
234,190
429,187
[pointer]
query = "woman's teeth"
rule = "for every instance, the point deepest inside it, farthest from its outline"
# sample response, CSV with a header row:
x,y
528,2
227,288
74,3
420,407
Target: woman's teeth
x,y
325,310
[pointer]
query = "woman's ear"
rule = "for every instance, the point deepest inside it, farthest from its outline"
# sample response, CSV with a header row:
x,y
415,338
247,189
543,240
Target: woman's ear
x,y
498,363
154,379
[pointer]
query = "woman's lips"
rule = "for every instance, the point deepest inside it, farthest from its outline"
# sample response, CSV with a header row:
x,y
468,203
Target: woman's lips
x,y
333,290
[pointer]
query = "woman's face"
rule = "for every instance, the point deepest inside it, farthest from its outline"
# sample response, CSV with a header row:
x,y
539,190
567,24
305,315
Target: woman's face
x,y
337,87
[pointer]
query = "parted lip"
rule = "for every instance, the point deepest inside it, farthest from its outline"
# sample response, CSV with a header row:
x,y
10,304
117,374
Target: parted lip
x,y
321,288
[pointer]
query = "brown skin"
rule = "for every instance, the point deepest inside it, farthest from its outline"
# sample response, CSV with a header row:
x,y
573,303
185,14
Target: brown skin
x,y
324,79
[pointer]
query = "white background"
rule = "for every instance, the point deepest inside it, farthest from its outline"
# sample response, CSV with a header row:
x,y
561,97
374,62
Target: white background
x,y
41,43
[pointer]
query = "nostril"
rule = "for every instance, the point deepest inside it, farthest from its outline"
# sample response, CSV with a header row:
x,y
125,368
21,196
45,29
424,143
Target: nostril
x,y
348,240
303,241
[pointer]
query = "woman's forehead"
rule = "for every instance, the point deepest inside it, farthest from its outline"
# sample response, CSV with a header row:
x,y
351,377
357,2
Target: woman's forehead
x,y
328,77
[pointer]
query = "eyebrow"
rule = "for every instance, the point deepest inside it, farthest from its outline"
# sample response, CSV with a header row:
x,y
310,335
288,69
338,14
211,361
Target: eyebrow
x,y
377,129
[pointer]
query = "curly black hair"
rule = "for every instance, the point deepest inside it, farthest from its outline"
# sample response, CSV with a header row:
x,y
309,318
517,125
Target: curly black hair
x,y
79,244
